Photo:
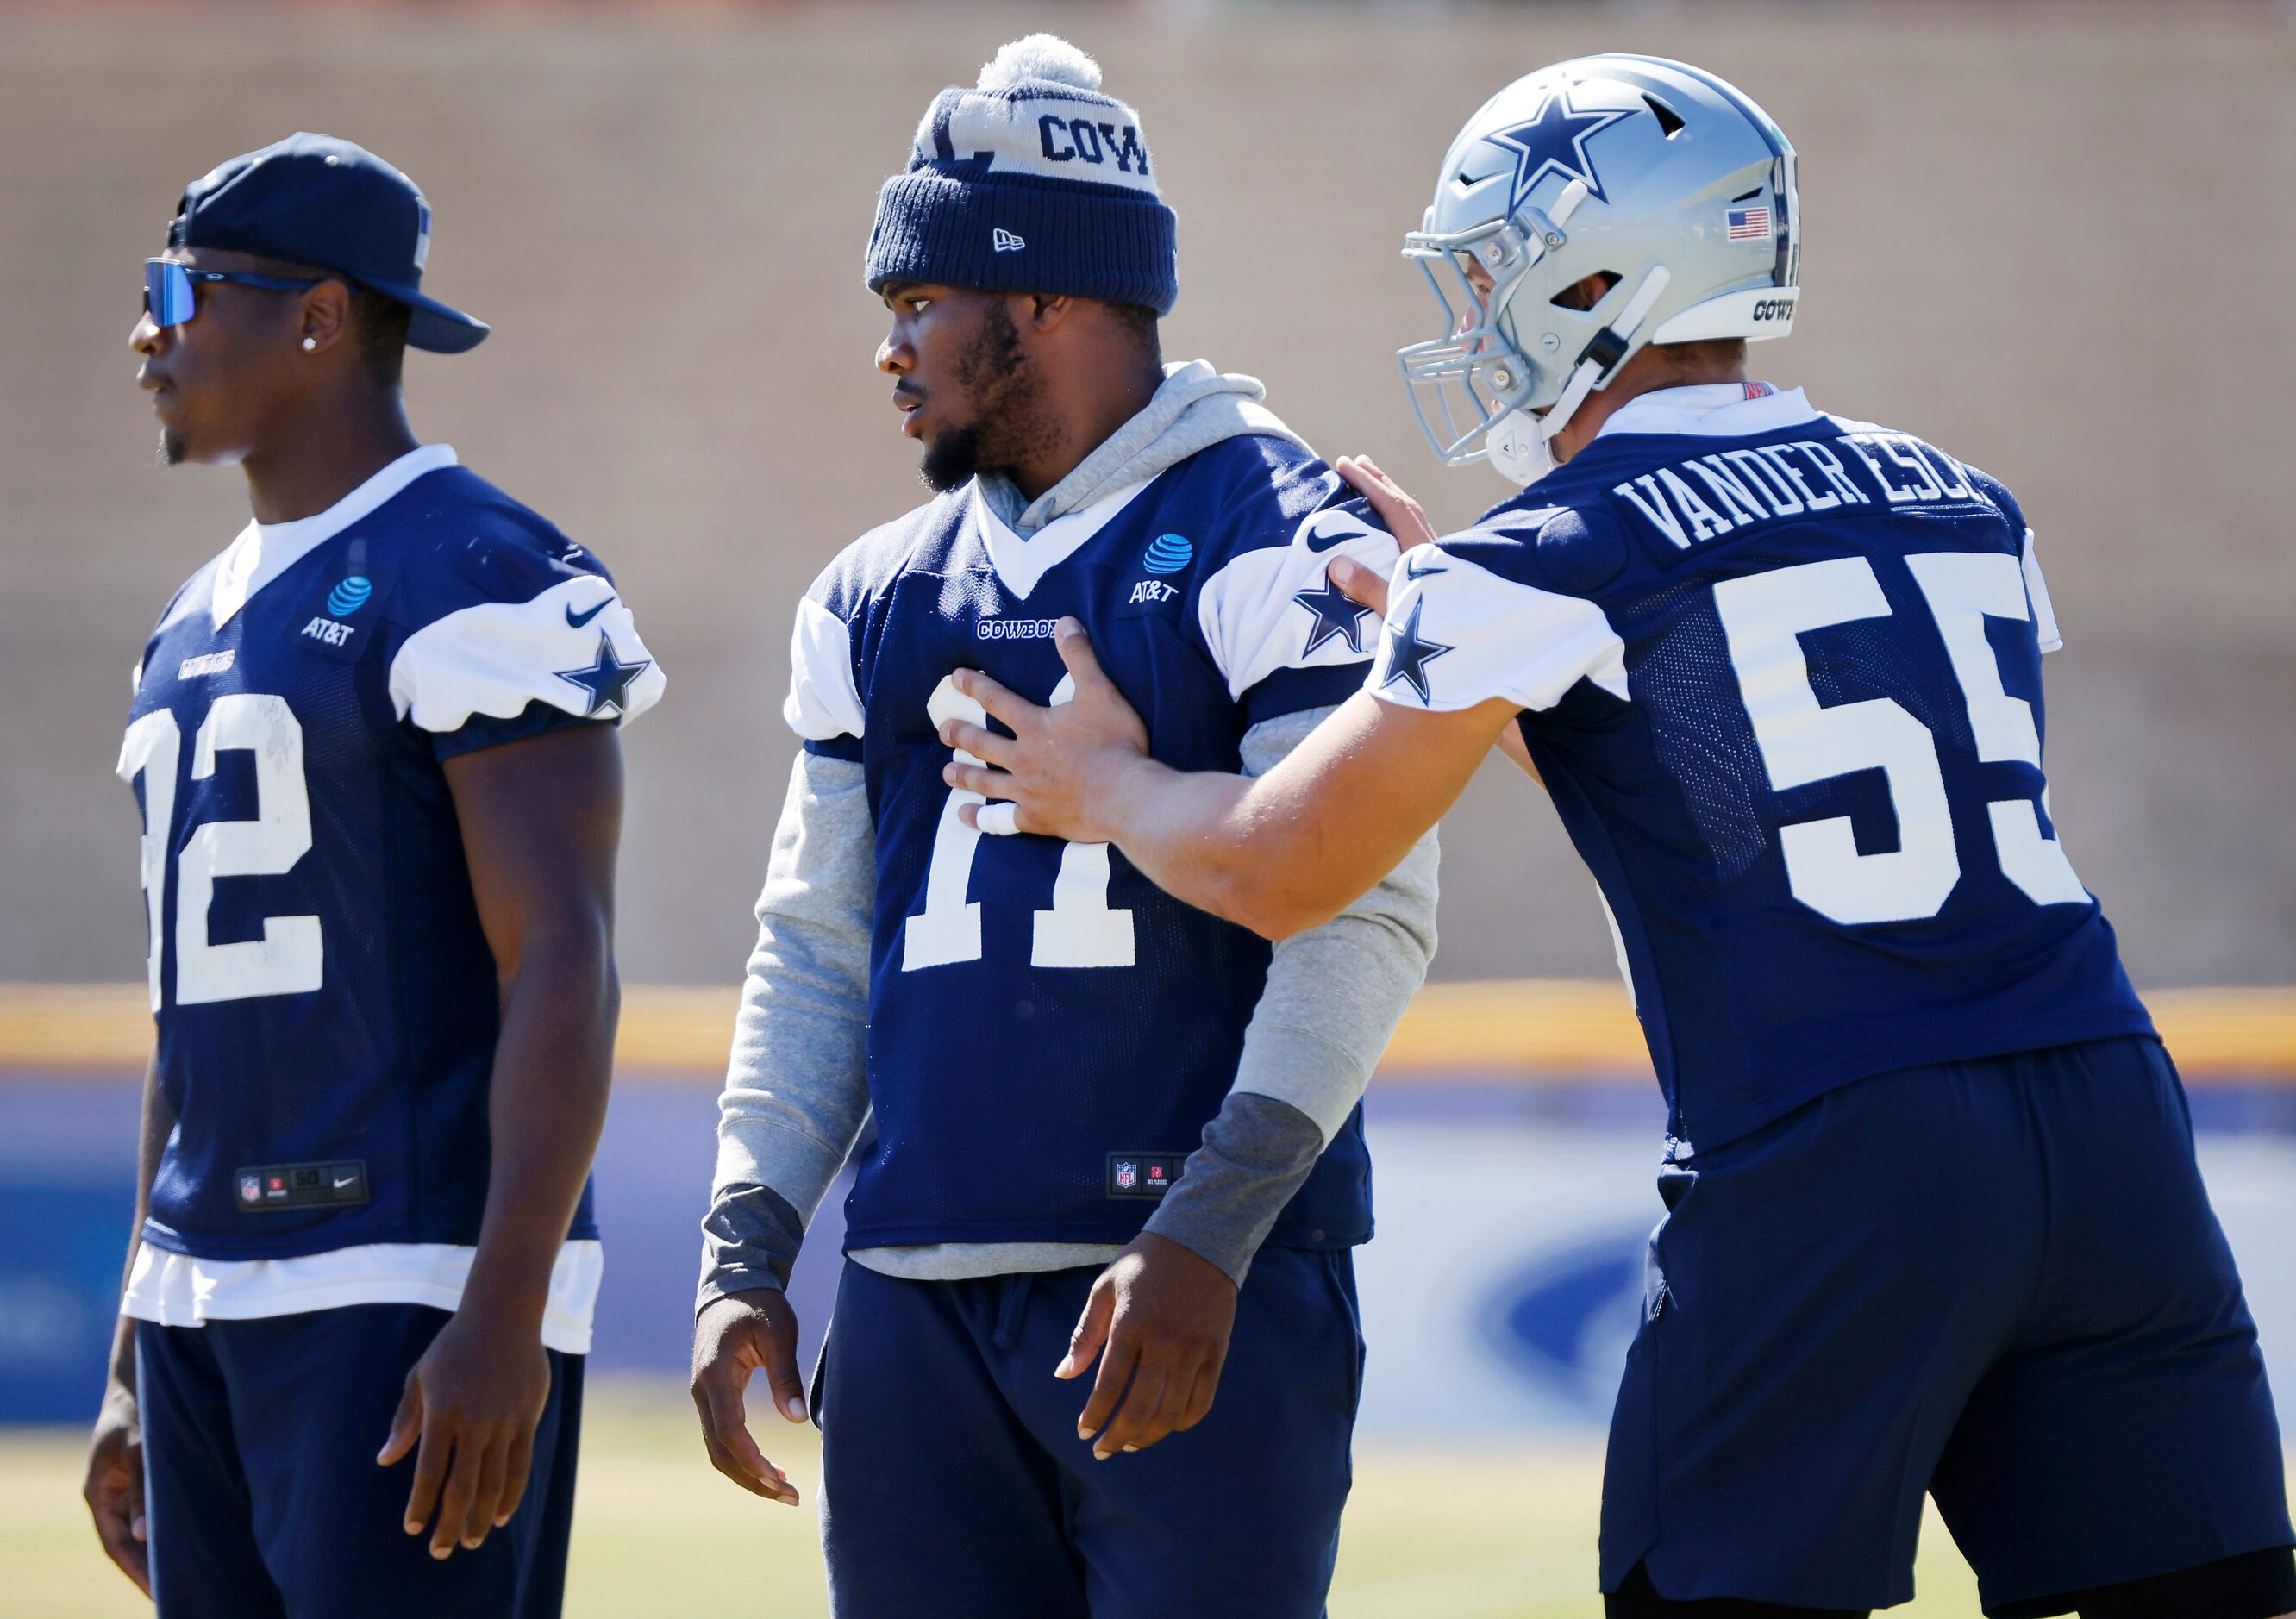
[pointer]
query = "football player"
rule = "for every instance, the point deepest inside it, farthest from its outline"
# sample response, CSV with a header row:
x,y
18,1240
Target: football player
x,y
1934,1222
1150,1137
375,746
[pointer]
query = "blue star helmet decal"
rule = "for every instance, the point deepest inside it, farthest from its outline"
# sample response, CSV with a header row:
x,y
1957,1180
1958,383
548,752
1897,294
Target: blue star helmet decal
x,y
1335,615
1409,652
1554,141
608,679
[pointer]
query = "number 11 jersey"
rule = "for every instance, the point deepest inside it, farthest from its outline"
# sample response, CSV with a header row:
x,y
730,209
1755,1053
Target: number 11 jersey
x,y
1780,672
1049,1033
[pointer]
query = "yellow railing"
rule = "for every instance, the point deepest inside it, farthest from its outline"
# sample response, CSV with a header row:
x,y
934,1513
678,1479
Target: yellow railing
x,y
1516,1030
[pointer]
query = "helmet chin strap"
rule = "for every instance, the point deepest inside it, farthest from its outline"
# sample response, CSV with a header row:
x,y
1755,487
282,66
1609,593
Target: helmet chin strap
x,y
1518,442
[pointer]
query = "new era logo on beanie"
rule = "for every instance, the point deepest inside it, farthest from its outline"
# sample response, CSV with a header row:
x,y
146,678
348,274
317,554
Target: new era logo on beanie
x,y
1032,181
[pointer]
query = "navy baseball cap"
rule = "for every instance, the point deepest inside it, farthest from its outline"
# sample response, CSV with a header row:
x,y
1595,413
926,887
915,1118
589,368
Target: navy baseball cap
x,y
316,200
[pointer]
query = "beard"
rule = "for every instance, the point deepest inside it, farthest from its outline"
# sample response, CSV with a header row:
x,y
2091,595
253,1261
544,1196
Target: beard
x,y
1011,421
951,459
171,447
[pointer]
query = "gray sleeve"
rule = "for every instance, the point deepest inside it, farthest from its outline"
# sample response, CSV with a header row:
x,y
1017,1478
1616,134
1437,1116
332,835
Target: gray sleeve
x,y
1334,997
796,1087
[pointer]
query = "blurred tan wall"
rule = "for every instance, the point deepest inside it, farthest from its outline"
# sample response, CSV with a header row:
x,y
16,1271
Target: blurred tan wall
x,y
2059,242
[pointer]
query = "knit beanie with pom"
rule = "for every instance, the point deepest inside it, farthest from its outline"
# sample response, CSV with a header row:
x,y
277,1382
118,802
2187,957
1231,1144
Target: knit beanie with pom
x,y
1032,181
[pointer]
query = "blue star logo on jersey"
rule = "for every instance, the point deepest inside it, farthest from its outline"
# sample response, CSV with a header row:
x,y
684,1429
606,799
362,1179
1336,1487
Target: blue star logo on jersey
x,y
608,679
1409,653
1553,141
1335,615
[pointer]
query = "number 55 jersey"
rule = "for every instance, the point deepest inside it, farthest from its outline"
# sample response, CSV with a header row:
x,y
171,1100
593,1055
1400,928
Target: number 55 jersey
x,y
326,1000
1049,1033
1780,672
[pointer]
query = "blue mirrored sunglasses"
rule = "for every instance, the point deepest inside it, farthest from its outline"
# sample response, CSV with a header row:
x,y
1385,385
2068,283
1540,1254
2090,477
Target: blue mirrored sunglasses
x,y
168,288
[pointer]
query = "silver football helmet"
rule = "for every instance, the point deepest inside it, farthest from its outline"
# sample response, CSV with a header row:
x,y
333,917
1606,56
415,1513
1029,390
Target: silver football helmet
x,y
1656,172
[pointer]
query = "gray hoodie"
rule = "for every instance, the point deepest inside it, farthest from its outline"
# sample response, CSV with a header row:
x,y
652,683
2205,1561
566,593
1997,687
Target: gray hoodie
x,y
797,1093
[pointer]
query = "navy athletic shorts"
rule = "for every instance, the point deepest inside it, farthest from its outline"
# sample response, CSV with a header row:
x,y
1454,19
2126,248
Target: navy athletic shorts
x,y
954,1484
263,1497
1998,1281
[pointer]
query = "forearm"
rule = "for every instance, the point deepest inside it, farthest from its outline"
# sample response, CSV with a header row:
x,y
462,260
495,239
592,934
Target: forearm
x,y
796,1093
158,1123
1203,836
553,1062
1332,998
1280,854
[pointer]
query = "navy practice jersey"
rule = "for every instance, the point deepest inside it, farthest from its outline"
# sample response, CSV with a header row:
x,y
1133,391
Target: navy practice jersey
x,y
1780,672
1049,1033
325,998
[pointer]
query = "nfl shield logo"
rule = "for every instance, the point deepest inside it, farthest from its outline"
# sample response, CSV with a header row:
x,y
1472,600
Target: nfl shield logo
x,y
1128,1175
251,1189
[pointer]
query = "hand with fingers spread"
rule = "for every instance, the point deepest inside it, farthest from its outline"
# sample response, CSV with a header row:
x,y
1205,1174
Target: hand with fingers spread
x,y
1061,763
468,1416
1159,1320
1396,508
740,1334
114,1490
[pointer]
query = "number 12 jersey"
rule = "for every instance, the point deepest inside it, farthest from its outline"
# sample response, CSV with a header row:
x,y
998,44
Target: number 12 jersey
x,y
326,999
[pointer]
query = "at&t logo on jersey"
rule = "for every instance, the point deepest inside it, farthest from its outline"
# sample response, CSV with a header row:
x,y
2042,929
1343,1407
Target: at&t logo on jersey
x,y
1168,553
343,601
349,596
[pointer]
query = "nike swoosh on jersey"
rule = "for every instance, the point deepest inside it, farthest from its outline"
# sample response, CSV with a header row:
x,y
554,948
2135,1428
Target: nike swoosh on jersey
x,y
1318,539
575,621
1412,570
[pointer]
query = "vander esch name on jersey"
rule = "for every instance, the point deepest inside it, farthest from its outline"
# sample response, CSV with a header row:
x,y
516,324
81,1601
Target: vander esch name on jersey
x,y
1711,495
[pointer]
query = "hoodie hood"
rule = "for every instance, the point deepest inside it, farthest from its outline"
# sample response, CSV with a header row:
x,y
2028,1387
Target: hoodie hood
x,y
1195,408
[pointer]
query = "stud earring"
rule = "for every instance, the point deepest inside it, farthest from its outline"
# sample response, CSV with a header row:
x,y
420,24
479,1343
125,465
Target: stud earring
x,y
309,344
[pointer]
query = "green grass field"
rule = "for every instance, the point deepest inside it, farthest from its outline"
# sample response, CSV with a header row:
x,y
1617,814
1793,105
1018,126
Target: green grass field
x,y
1430,1533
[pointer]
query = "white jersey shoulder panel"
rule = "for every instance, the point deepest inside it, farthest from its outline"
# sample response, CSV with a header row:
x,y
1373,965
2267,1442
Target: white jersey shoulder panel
x,y
1458,635
495,657
2036,590
1251,614
823,702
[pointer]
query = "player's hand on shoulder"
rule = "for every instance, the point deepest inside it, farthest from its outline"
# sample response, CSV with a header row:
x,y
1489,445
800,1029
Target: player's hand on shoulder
x,y
734,1336
469,1415
1366,587
1159,1317
1396,508
114,1490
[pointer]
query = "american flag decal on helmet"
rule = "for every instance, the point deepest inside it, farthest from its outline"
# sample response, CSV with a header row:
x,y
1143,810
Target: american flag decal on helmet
x,y
1750,223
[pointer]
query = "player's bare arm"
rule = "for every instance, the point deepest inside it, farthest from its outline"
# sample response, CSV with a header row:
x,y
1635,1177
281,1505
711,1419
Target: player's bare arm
x,y
114,1490
540,820
1278,854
